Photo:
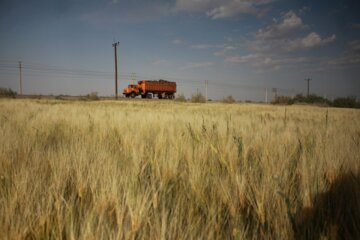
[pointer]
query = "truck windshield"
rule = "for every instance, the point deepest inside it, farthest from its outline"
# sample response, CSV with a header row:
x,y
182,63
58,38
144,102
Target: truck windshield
x,y
132,86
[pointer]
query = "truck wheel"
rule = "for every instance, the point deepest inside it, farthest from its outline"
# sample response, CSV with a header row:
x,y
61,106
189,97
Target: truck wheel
x,y
133,95
160,96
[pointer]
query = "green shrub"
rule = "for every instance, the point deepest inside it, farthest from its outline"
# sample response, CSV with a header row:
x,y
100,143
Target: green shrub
x,y
198,98
60,97
312,98
284,100
228,99
347,102
93,96
180,98
7,93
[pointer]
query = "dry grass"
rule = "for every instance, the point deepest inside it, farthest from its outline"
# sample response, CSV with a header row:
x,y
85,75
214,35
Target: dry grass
x,y
167,170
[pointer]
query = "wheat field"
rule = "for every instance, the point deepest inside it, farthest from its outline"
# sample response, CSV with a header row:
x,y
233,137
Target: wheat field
x,y
171,170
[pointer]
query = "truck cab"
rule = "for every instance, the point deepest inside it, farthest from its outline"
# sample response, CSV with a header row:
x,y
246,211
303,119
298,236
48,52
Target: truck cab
x,y
131,91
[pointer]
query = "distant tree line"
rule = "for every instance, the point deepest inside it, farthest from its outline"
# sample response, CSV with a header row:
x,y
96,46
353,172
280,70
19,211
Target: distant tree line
x,y
7,93
342,102
199,98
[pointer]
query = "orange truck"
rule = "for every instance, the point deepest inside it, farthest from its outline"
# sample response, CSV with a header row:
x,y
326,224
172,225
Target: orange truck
x,y
151,88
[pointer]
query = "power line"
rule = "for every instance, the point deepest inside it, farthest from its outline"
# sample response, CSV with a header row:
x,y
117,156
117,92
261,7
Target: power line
x,y
43,70
133,77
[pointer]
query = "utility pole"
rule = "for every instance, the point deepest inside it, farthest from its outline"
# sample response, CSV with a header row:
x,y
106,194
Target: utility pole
x,y
206,90
20,77
266,95
308,86
116,71
275,93
133,77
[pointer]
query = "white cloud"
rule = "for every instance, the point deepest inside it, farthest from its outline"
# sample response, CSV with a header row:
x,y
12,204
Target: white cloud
x,y
207,46
220,54
194,5
229,48
231,9
243,59
304,10
343,61
310,41
192,65
356,26
289,23
354,46
177,41
279,36
351,56
229,39
161,62
272,47
226,48
267,61
221,8
109,15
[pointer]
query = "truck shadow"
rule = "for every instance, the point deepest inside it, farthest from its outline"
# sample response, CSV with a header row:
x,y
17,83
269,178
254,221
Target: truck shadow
x,y
335,214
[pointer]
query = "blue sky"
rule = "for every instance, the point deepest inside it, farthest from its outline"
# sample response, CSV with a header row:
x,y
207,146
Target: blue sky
x,y
241,47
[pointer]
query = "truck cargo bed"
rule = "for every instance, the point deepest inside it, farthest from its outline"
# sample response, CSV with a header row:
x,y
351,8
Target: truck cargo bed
x,y
161,86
